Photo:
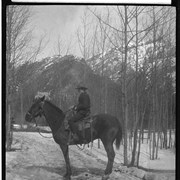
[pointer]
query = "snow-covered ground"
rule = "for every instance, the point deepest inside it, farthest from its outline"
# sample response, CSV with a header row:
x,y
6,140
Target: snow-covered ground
x,y
165,161
38,158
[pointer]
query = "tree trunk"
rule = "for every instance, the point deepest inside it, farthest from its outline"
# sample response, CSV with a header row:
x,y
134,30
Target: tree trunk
x,y
142,138
139,143
8,127
22,112
125,104
136,98
154,130
150,141
8,79
141,134
170,144
157,146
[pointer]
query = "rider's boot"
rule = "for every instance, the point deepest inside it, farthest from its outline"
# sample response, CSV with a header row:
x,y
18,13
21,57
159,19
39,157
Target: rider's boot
x,y
66,126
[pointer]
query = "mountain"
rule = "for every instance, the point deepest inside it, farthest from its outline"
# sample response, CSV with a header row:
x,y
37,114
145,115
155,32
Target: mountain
x,y
59,76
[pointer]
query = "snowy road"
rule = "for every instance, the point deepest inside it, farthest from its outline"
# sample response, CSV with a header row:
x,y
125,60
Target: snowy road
x,y
40,158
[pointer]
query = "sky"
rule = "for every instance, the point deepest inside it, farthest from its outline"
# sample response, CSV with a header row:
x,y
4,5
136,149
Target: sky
x,y
54,21
58,21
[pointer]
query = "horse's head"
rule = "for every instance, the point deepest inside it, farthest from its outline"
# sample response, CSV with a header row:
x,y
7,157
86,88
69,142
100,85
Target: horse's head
x,y
35,110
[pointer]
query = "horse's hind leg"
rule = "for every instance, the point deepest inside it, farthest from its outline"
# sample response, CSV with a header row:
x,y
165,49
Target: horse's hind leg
x,y
110,154
65,151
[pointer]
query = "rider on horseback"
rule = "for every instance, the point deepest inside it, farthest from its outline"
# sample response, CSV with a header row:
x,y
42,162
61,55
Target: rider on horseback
x,y
82,109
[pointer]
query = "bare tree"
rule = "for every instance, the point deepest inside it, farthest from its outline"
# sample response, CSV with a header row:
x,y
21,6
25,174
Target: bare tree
x,y
103,47
83,38
17,18
136,94
124,89
59,46
128,34
83,35
62,48
18,50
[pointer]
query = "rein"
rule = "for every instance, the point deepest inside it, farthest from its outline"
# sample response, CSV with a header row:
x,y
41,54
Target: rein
x,y
55,133
44,136
40,132
42,104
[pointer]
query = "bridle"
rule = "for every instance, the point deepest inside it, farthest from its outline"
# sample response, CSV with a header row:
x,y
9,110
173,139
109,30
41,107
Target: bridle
x,y
39,113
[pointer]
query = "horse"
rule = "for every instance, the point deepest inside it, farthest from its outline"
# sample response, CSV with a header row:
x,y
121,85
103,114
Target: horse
x,y
106,127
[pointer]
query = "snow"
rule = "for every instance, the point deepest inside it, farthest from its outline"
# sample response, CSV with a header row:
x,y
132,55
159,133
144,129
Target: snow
x,y
40,158
164,156
49,64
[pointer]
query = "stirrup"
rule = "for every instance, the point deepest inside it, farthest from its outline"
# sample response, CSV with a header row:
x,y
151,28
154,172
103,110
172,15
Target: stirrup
x,y
66,126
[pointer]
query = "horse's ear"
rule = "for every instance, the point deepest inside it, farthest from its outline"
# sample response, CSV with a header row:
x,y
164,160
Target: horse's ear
x,y
43,98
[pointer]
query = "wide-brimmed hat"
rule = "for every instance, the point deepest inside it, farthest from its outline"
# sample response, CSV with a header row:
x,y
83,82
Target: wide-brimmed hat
x,y
81,87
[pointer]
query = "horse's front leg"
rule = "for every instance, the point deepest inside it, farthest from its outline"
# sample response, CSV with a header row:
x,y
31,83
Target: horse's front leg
x,y
65,150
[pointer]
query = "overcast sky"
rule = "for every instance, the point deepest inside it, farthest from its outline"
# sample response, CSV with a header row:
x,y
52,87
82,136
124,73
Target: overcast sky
x,y
57,20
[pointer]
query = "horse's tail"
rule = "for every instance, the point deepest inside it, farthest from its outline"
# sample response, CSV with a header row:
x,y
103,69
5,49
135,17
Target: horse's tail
x,y
119,136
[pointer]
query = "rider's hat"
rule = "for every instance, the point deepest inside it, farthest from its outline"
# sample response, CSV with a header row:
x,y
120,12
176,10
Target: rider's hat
x,y
81,87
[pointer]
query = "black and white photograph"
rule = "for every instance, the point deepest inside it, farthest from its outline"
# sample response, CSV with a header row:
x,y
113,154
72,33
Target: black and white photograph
x,y
90,92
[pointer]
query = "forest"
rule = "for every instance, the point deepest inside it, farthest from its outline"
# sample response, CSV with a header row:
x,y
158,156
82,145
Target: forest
x,y
128,63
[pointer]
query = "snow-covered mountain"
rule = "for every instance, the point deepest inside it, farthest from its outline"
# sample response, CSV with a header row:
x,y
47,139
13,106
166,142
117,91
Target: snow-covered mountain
x,y
59,76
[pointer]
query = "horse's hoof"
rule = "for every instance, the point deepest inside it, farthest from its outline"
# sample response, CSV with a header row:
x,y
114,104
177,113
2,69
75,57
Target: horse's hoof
x,y
105,177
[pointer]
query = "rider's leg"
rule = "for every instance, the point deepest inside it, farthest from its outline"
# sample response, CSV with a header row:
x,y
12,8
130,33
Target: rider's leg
x,y
66,124
74,126
73,120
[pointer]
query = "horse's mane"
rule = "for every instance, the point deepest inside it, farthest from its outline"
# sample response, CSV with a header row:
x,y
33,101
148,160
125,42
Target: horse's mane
x,y
58,109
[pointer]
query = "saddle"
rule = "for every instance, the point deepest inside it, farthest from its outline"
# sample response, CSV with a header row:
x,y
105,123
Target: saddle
x,y
85,123
82,125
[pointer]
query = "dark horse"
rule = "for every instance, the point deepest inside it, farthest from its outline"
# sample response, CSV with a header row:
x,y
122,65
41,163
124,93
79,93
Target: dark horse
x,y
105,127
